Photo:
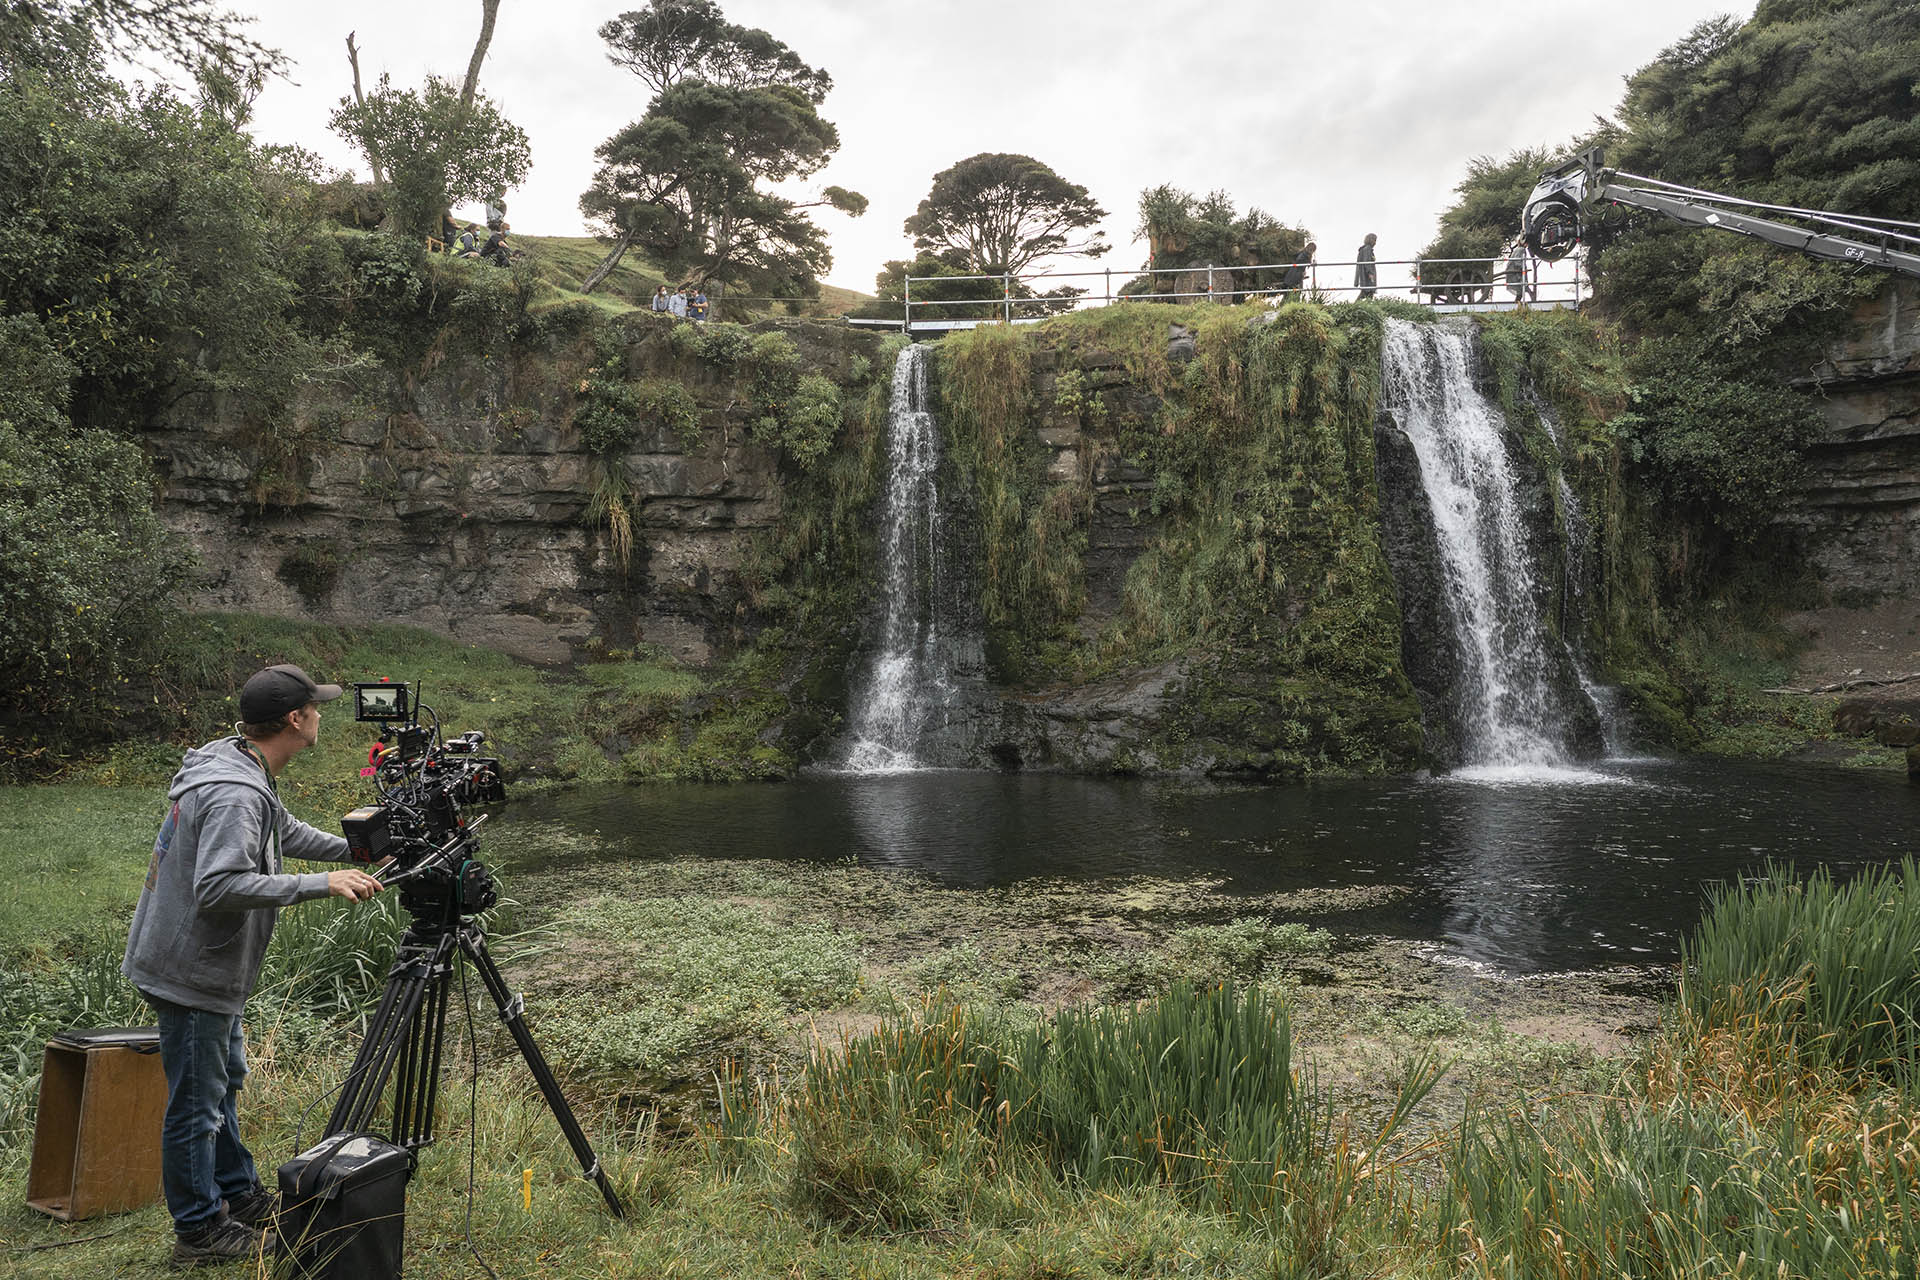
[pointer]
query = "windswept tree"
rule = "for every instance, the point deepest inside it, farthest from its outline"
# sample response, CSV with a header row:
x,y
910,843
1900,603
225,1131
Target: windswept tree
x,y
439,147
674,40
1000,212
692,183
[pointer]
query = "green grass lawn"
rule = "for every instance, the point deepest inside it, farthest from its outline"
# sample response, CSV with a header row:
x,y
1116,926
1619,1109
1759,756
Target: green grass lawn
x,y
562,262
74,857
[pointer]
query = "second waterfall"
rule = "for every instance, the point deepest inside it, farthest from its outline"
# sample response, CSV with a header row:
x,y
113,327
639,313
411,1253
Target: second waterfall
x,y
909,704
1504,680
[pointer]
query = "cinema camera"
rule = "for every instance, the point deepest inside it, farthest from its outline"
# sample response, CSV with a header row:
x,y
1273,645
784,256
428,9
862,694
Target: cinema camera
x,y
417,831
418,838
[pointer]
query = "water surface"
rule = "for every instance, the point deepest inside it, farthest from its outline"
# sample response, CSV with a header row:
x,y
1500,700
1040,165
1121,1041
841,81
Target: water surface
x,y
1520,872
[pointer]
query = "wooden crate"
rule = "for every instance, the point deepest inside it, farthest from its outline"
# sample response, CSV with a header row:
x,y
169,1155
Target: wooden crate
x,y
96,1137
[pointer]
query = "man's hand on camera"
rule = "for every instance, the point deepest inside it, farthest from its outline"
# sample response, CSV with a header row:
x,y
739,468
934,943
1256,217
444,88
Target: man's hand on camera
x,y
356,886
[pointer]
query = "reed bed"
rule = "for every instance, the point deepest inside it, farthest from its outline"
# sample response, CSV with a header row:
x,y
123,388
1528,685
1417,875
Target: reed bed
x,y
1196,1091
1773,1129
1813,972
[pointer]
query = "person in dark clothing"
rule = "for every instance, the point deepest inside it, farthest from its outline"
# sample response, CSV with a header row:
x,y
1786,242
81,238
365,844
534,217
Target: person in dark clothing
x,y
1296,274
214,888
495,250
1366,277
1517,272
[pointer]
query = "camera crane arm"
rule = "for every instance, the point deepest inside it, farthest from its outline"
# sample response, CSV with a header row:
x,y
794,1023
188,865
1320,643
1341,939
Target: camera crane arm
x,y
1551,223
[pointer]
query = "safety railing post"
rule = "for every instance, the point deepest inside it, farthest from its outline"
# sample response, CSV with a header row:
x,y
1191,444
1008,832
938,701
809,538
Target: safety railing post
x,y
1006,296
1209,282
1109,286
906,309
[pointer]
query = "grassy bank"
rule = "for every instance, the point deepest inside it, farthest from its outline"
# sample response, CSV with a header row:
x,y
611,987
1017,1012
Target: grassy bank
x,y
835,1071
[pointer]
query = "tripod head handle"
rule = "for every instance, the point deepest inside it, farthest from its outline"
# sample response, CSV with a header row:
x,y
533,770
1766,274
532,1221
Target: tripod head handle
x,y
442,858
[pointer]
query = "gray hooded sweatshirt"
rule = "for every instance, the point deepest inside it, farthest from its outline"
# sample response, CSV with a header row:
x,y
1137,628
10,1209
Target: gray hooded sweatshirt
x,y
214,885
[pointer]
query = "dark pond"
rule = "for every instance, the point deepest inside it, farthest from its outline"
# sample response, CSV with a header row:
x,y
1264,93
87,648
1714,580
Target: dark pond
x,y
1572,870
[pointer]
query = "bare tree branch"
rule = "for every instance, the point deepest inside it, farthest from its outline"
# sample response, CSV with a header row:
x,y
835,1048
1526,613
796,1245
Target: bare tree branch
x,y
489,10
359,100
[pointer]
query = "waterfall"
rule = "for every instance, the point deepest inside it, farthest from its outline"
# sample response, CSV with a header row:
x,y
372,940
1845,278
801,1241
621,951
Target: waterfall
x,y
912,688
1509,689
1603,698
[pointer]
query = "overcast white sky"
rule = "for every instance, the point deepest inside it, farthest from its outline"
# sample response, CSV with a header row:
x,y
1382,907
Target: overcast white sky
x,y
1346,116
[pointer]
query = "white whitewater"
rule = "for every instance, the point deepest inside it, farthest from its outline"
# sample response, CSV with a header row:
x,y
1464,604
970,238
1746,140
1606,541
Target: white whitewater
x,y
1507,709
910,683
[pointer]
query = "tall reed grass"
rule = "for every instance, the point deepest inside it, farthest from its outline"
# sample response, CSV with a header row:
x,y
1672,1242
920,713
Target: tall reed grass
x,y
1685,1188
1773,1131
1829,973
1197,1090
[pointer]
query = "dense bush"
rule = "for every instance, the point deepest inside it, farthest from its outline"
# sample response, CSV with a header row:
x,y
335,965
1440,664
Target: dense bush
x,y
805,425
1714,443
91,572
613,412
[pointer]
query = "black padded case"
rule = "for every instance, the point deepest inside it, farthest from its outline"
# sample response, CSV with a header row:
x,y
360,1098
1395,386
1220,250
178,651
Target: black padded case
x,y
343,1208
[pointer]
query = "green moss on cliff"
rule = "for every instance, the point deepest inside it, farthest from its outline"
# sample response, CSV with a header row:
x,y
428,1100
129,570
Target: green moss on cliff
x,y
1266,579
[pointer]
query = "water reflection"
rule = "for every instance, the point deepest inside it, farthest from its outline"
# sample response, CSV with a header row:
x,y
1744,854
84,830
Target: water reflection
x,y
1552,874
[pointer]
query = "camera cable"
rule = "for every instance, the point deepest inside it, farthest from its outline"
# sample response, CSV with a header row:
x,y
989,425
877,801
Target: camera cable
x,y
473,1115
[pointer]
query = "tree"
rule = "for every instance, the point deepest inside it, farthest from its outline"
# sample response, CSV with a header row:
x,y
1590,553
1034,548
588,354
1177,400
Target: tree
x,y
1000,212
734,111
90,568
674,40
53,34
685,185
1485,220
1810,103
1184,232
952,290
438,149
137,233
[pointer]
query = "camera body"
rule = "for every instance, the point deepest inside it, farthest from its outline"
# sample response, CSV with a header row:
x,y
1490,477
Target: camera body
x,y
418,827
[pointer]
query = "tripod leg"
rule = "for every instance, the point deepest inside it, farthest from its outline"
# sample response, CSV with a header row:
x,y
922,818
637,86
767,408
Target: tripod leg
x,y
392,1038
512,1012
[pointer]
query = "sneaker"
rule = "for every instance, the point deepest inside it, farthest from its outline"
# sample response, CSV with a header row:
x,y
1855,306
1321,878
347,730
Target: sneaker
x,y
256,1208
222,1240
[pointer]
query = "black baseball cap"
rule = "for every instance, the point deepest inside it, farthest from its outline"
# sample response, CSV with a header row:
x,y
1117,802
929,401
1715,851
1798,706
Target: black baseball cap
x,y
270,694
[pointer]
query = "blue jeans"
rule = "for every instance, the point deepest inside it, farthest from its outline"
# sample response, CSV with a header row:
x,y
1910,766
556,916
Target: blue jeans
x,y
202,1160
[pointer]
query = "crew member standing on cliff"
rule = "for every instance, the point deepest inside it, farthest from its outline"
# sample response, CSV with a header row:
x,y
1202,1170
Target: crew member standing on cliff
x,y
1366,276
214,888
1296,277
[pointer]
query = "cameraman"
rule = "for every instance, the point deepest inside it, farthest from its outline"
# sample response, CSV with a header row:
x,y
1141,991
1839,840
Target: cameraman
x,y
214,887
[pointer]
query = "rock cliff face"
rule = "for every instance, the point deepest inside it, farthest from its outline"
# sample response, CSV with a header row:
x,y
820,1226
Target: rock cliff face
x,y
458,500
1860,510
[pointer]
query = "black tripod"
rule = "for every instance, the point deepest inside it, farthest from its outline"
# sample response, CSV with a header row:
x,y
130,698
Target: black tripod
x,y
403,1041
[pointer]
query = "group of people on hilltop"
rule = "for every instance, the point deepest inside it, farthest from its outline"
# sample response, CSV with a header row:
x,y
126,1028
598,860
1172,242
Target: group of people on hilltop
x,y
467,242
680,304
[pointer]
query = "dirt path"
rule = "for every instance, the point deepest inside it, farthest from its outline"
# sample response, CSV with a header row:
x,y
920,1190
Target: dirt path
x,y
1878,642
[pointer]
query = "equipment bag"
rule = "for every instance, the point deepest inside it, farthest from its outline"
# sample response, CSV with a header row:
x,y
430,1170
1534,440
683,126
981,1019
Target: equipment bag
x,y
343,1208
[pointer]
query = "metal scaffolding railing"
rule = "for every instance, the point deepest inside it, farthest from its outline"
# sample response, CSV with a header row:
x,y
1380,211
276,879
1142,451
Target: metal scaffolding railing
x,y
1466,283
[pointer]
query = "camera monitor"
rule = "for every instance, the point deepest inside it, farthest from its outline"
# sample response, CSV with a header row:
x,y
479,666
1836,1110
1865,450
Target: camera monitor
x,y
380,702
